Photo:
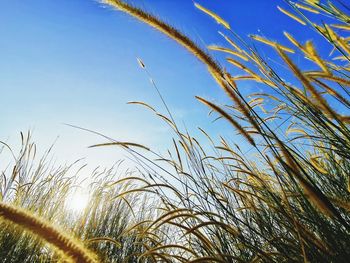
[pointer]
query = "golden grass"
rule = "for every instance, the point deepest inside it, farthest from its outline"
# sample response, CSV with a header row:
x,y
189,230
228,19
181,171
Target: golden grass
x,y
291,15
213,15
67,245
284,199
171,32
271,43
215,70
229,118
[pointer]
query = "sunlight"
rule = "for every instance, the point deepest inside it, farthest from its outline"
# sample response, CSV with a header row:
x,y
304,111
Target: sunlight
x,y
77,201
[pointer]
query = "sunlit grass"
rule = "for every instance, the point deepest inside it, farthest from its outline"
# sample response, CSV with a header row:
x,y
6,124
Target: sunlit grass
x,y
286,199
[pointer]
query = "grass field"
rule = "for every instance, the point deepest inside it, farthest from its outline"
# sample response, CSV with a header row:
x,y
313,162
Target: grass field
x,y
285,199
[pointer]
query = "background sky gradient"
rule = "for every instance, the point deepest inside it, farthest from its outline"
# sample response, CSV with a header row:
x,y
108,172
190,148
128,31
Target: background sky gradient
x,y
75,62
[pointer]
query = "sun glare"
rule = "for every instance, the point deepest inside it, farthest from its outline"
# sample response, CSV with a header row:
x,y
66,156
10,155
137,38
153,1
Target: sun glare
x,y
77,201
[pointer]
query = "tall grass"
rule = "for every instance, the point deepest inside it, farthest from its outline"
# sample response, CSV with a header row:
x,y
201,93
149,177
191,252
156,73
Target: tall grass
x,y
288,202
35,196
286,199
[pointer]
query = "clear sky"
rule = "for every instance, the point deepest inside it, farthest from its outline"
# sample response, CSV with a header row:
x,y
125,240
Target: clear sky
x,y
74,61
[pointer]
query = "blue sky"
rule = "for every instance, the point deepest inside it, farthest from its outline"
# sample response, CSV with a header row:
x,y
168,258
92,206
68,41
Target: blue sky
x,y
75,62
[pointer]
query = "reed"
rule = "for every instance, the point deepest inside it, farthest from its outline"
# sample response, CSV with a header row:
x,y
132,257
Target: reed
x,y
280,196
281,202
61,241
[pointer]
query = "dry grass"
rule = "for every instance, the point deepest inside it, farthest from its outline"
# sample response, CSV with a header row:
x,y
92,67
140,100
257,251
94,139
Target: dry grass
x,y
284,198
